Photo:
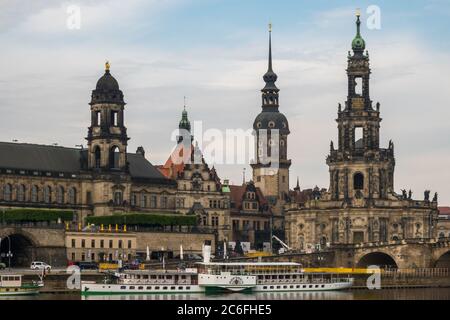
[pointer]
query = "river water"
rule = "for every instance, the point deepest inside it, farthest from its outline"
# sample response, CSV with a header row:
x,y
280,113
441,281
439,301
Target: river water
x,y
384,294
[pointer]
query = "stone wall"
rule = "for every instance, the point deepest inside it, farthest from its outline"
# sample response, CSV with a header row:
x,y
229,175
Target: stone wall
x,y
192,242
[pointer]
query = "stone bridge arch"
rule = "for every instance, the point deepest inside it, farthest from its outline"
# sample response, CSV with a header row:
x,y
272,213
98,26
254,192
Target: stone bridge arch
x,y
441,254
21,244
32,244
380,258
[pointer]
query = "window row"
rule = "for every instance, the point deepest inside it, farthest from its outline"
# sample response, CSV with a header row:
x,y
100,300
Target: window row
x,y
22,193
236,224
149,201
100,244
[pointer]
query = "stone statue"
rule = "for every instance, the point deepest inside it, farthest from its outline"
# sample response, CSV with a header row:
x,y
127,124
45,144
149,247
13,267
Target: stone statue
x,y
435,198
410,194
378,106
404,194
426,195
339,107
331,146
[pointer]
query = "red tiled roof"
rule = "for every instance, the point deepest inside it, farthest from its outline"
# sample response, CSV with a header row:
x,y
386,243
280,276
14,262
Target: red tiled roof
x,y
444,211
170,169
237,195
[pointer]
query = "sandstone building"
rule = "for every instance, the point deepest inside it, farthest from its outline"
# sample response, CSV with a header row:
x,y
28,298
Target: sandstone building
x,y
360,205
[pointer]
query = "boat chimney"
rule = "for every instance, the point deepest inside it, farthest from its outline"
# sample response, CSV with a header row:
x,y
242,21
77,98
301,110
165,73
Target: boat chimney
x,y
207,251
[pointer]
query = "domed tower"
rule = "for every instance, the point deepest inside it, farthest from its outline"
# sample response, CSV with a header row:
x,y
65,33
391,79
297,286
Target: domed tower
x,y
271,168
107,136
359,168
184,127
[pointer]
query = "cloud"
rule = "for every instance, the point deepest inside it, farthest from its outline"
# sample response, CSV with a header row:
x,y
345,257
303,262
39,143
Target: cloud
x,y
45,85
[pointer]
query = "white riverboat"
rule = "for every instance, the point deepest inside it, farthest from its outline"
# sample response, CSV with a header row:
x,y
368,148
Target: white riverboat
x,y
145,281
267,277
219,276
12,285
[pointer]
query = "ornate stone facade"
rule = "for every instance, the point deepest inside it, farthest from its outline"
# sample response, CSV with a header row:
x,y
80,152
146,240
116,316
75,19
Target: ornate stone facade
x,y
360,205
100,180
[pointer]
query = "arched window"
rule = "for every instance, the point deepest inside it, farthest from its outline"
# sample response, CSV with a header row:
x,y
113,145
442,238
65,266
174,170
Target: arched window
x,y
34,193
358,181
7,191
97,155
114,155
73,195
21,193
47,194
118,198
60,195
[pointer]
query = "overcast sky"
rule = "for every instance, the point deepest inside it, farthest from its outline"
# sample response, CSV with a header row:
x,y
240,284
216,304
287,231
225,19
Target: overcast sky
x,y
215,53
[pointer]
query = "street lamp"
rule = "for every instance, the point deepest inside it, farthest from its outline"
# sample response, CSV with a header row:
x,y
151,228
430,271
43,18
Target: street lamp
x,y
9,254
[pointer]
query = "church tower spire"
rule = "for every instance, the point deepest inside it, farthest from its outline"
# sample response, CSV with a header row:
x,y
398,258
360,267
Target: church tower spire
x,y
184,126
359,168
271,168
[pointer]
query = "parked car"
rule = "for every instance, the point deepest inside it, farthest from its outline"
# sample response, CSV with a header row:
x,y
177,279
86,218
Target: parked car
x,y
87,265
2,266
39,265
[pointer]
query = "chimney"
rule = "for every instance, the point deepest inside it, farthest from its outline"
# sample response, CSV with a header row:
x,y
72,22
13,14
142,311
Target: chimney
x,y
140,150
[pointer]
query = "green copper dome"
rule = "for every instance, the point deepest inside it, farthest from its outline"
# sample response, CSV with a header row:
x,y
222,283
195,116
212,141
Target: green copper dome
x,y
185,123
358,43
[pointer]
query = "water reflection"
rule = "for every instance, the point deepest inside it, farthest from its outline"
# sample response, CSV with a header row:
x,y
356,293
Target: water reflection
x,y
321,295
385,294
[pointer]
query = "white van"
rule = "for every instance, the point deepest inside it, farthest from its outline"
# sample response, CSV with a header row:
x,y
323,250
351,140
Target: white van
x,y
38,265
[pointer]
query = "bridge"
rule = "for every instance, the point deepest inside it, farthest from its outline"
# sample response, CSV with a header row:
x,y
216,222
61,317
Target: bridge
x,y
33,243
410,253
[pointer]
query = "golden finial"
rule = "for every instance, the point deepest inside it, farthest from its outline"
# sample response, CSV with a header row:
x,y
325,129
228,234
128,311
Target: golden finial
x,y
107,65
358,12
270,26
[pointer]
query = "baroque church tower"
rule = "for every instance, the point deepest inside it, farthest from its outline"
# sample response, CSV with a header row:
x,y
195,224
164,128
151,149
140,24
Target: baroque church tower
x,y
107,136
359,168
271,168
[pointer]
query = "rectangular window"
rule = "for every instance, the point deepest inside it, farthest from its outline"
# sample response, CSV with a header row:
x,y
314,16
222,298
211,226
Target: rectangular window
x,y
359,137
92,243
153,201
73,243
120,244
73,256
83,243
110,243
129,244
102,243
164,202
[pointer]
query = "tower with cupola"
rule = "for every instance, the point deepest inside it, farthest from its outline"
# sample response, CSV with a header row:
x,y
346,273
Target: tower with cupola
x,y
359,168
271,128
107,135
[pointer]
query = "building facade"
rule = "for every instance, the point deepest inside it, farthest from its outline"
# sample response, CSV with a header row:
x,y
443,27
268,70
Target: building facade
x,y
360,205
101,179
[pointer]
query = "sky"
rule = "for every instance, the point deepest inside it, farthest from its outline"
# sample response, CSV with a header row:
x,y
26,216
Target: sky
x,y
214,52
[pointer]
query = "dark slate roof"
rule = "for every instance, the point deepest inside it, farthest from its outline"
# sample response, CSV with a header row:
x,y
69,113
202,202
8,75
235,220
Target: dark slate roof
x,y
24,156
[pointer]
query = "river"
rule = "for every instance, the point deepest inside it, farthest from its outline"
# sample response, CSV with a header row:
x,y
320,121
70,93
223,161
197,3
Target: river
x,y
384,294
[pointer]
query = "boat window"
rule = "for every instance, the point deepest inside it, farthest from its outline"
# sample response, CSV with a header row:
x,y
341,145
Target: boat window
x,y
168,277
122,287
156,288
288,276
281,276
172,288
149,288
153,276
180,288
140,288
164,288
188,288
145,276
271,287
